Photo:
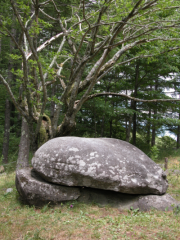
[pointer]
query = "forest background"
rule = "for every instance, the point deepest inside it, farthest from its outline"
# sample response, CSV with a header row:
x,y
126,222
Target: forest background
x,y
91,69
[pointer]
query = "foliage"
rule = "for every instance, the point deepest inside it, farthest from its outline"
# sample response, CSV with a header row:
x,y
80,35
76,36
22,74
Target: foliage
x,y
166,143
58,61
154,153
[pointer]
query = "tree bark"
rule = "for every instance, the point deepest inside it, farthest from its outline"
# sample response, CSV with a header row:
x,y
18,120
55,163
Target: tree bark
x,y
110,128
129,129
103,120
134,104
102,126
52,106
67,126
95,130
6,132
178,135
134,127
153,140
149,128
24,146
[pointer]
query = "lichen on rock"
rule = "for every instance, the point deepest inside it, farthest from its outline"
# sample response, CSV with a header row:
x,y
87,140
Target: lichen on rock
x,y
102,163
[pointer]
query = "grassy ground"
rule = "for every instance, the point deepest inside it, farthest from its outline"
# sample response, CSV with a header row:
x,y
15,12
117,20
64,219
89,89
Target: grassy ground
x,y
79,221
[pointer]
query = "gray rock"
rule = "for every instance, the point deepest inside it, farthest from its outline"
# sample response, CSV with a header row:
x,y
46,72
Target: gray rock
x,y
102,163
163,202
35,191
9,190
127,201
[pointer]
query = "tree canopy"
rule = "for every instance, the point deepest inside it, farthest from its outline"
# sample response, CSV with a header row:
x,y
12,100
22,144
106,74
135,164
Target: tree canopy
x,y
64,50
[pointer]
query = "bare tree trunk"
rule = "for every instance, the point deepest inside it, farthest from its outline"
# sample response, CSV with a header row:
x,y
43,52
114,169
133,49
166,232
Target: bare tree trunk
x,y
134,127
54,121
116,122
102,126
52,106
95,130
178,135
110,128
6,131
134,104
129,129
128,126
153,140
24,146
149,128
111,123
103,120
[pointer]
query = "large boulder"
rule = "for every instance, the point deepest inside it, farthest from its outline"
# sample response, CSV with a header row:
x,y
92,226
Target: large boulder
x,y
35,191
102,163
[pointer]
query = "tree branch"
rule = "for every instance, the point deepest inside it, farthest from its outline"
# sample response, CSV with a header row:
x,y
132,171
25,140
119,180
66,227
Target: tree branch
x,y
55,57
46,43
131,98
12,97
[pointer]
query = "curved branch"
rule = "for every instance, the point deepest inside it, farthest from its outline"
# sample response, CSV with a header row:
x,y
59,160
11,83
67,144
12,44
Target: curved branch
x,y
54,19
131,98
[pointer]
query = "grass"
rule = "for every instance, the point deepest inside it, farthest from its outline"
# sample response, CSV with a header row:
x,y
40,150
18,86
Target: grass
x,y
86,222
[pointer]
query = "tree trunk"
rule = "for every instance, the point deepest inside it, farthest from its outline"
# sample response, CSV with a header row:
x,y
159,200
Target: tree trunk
x,y
95,130
153,140
67,126
110,128
129,129
24,146
134,127
178,135
149,128
102,126
6,132
134,104
103,120
54,121
52,106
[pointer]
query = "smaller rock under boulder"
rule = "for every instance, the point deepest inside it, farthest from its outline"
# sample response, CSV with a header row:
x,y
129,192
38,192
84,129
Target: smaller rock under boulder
x,y
127,201
162,203
35,191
